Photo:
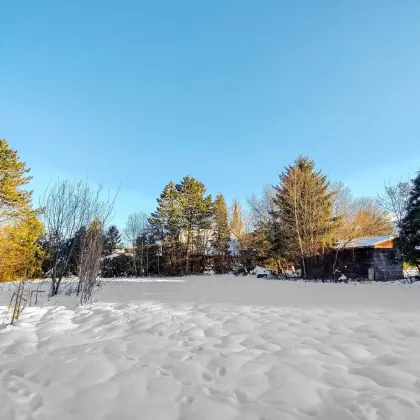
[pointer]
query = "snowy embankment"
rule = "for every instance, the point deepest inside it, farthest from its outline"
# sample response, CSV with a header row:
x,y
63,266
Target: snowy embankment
x,y
217,348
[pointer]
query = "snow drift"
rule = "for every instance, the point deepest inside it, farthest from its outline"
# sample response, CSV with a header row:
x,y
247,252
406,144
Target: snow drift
x,y
322,352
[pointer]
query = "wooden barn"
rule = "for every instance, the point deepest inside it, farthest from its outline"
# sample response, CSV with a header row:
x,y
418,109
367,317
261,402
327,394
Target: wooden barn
x,y
375,258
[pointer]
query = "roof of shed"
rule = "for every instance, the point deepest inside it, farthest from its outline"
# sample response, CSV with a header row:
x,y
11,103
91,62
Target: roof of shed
x,y
364,242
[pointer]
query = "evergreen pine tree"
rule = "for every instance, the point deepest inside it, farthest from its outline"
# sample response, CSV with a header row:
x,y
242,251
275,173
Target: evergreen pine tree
x,y
267,237
112,240
14,202
304,214
221,237
410,227
166,220
196,211
165,224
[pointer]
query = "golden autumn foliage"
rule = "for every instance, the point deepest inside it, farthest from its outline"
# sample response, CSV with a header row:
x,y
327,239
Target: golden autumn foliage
x,y
363,218
20,228
20,251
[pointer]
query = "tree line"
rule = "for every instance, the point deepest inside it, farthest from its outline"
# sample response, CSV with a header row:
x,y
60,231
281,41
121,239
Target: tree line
x,y
290,226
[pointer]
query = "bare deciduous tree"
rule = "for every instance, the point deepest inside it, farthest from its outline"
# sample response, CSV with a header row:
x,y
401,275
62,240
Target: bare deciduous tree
x,y
135,226
262,207
68,207
90,260
21,297
359,217
395,200
17,301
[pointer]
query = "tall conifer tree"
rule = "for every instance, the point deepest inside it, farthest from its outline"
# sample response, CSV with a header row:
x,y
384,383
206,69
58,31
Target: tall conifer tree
x,y
112,240
305,205
410,227
165,225
221,237
14,201
167,217
196,211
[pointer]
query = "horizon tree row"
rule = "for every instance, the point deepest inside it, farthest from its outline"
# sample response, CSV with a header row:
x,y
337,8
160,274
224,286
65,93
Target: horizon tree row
x,y
290,226
187,233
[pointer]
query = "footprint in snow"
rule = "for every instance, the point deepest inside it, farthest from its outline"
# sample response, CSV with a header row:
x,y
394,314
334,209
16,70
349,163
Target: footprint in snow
x,y
221,371
188,400
47,382
162,372
309,412
206,377
16,372
211,392
22,396
187,358
240,396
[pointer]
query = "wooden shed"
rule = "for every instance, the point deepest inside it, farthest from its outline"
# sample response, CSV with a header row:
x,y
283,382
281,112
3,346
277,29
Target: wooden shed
x,y
374,258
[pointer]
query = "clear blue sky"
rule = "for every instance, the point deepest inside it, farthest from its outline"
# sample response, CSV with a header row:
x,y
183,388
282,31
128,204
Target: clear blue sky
x,y
137,93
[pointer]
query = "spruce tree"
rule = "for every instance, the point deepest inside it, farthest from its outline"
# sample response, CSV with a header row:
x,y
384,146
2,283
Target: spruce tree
x,y
196,211
269,242
410,227
112,240
304,214
221,237
267,237
166,220
165,224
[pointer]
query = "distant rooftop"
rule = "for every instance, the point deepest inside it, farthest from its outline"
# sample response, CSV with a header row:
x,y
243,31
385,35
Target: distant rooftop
x,y
364,242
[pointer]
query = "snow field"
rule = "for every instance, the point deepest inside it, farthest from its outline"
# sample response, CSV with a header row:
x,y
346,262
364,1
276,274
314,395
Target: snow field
x,y
165,360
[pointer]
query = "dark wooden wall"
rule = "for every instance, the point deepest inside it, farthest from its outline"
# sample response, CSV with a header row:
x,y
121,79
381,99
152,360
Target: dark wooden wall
x,y
387,264
355,263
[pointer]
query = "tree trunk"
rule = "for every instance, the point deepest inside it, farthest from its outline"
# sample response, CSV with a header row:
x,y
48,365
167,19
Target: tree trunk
x,y
298,230
187,253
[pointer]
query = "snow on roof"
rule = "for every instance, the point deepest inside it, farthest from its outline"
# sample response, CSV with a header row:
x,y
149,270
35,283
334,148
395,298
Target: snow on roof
x,y
364,242
115,255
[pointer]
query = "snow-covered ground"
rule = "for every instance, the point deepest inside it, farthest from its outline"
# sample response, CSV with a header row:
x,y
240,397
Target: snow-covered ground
x,y
216,347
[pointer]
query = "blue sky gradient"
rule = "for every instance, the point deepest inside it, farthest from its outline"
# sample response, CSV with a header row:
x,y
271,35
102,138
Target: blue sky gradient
x,y
135,94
